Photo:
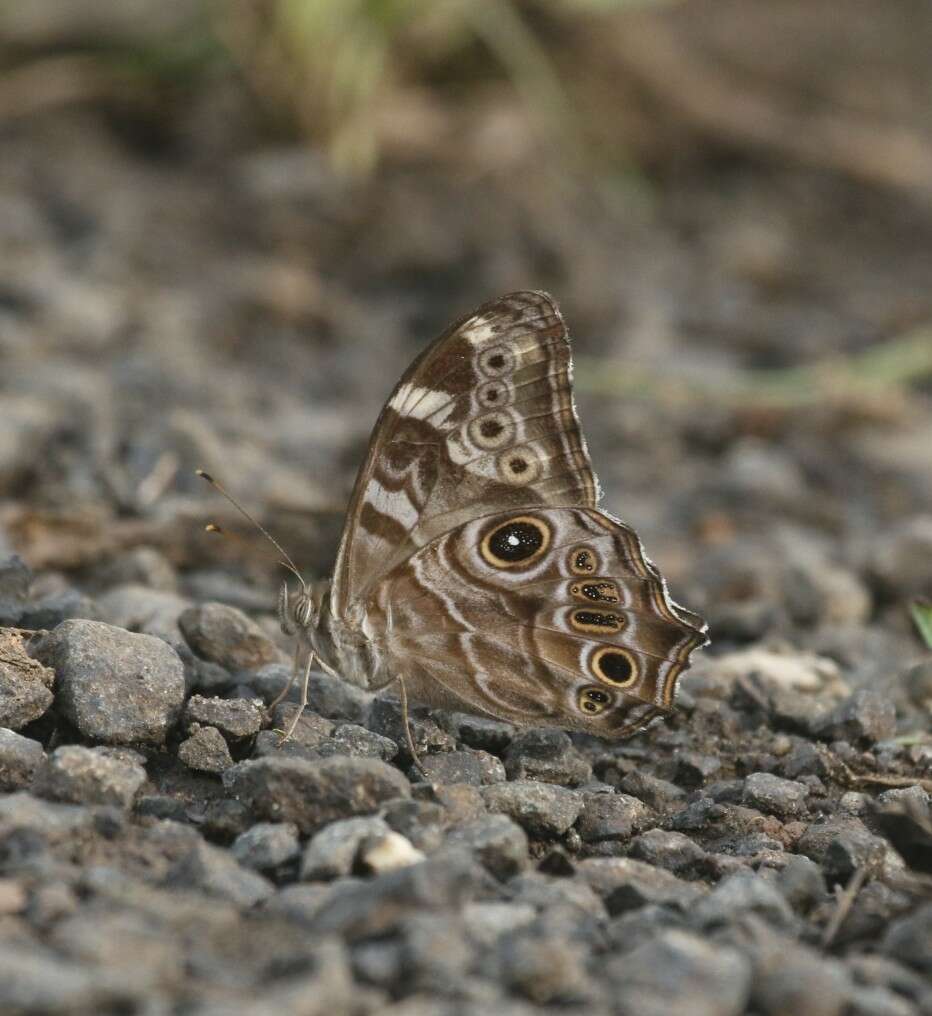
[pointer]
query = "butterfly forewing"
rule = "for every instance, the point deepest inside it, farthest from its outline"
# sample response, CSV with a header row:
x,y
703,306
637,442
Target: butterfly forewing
x,y
483,420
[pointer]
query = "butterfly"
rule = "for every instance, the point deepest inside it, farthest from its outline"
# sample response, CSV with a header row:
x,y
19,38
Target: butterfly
x,y
476,570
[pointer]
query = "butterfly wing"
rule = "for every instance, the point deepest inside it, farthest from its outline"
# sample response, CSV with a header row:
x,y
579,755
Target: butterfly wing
x,y
544,616
483,420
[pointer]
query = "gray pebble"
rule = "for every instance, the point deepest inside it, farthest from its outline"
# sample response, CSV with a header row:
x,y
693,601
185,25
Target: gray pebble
x,y
34,979
236,719
775,796
802,884
627,884
149,611
385,718
313,794
794,979
328,696
91,776
205,751
332,852
545,969
142,566
667,849
864,718
487,921
547,755
477,768
658,794
20,759
610,817
542,809
497,842
266,845
353,739
694,770
358,910
900,557
49,611
25,684
739,895
481,732
114,686
840,846
226,636
215,872
909,939
15,580
421,822
679,973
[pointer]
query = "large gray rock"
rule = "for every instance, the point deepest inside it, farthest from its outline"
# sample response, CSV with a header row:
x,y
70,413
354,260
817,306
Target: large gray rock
x,y
115,686
313,794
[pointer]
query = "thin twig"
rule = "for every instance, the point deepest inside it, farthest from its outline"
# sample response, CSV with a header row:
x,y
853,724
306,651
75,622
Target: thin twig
x,y
845,901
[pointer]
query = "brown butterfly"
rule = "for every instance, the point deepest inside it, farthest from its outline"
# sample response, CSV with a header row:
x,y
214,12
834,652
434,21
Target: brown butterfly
x,y
475,569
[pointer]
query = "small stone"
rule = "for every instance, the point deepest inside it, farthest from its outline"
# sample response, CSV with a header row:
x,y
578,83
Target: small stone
x,y
670,850
142,566
627,884
149,611
385,718
266,845
332,852
421,822
841,846
486,922
611,817
352,739
15,580
51,610
328,696
794,979
654,792
20,759
546,755
546,969
205,751
224,819
481,732
313,794
801,883
91,776
694,770
215,872
236,719
363,910
905,797
864,718
775,796
477,768
544,810
25,685
678,972
225,635
909,939
736,897
35,979
805,759
115,686
499,844
917,680
900,558
387,852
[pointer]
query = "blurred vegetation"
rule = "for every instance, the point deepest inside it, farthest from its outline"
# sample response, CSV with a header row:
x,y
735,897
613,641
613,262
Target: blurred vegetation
x,y
327,70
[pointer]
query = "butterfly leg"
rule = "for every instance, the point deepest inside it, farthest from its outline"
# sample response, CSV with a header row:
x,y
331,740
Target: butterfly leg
x,y
403,695
291,680
300,710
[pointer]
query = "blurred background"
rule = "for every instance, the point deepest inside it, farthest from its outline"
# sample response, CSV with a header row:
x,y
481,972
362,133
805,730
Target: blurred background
x,y
227,227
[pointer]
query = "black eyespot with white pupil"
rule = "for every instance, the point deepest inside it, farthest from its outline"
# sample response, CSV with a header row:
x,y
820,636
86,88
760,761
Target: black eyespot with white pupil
x,y
516,542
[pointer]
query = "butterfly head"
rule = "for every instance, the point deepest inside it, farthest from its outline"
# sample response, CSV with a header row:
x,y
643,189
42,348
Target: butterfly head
x,y
301,613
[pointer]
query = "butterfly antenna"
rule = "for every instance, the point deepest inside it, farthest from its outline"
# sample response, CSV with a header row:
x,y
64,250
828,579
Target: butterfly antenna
x,y
211,527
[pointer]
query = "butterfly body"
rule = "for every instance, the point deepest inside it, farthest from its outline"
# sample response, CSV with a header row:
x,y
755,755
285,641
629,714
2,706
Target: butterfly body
x,y
475,565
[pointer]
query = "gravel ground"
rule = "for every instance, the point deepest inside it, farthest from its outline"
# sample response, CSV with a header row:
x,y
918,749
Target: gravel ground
x,y
767,851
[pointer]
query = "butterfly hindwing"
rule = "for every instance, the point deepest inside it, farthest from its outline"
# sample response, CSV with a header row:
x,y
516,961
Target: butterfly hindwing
x,y
547,616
